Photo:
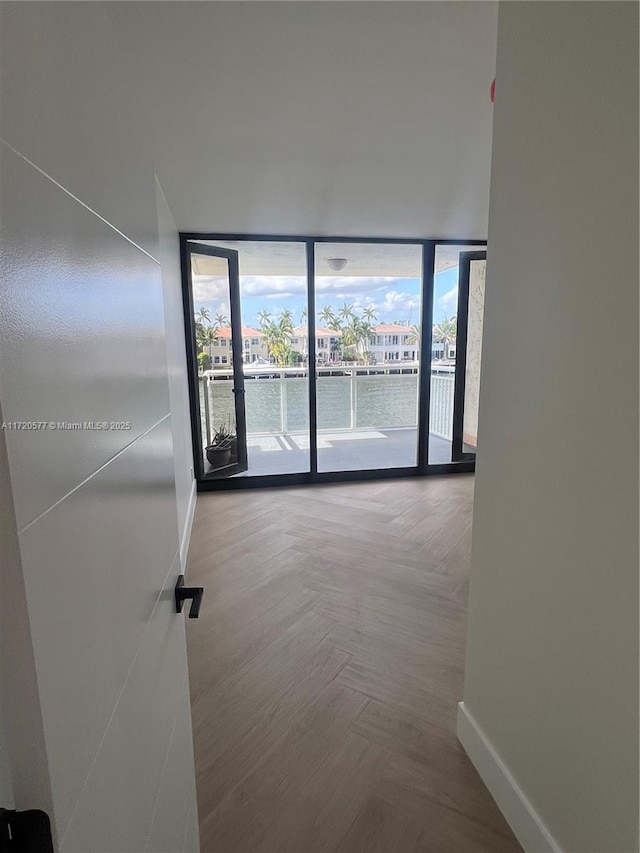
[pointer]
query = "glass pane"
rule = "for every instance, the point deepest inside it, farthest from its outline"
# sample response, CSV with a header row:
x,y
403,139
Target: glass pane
x,y
211,300
367,351
273,298
477,278
443,350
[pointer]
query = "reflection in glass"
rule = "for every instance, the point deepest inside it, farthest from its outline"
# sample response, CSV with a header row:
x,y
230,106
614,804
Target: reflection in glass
x,y
214,357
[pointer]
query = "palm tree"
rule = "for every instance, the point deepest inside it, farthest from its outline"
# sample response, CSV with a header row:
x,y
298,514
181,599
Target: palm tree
x,y
271,337
278,335
265,317
357,335
201,336
286,321
303,315
366,331
211,333
327,314
362,331
416,335
203,316
445,332
346,312
369,314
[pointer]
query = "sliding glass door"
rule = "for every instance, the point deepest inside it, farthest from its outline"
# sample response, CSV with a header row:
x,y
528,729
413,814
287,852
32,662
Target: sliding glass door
x,y
316,359
367,337
273,306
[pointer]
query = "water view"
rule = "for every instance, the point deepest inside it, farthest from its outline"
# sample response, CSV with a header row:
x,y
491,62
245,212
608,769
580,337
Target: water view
x,y
367,350
279,404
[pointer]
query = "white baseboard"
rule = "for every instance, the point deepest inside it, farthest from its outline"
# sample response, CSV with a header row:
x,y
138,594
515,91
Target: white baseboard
x,y
526,824
185,536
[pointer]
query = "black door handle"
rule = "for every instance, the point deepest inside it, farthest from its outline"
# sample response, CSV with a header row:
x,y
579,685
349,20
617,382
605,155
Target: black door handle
x,y
182,593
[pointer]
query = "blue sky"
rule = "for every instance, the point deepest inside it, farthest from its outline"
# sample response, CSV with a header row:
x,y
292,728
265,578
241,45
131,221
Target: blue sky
x,y
393,299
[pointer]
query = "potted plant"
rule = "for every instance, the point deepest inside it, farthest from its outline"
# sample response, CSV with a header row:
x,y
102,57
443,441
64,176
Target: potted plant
x,y
219,451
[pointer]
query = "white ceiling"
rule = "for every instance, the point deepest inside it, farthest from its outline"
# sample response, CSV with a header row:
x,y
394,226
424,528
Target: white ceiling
x,y
373,259
323,118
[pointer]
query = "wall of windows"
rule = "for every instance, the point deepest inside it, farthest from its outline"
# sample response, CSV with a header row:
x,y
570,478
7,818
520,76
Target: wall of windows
x,y
340,360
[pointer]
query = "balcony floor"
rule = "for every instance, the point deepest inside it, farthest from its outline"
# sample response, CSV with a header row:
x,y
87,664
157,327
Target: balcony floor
x,y
341,451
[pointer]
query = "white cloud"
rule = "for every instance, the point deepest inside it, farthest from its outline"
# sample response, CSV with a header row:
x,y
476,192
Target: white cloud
x,y
341,286
361,302
206,288
284,295
272,286
449,300
344,286
383,294
395,302
388,307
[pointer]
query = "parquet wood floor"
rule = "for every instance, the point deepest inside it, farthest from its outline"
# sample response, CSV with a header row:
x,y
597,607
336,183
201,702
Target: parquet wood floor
x,y
326,667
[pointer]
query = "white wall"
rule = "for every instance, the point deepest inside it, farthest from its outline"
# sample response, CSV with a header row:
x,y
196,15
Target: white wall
x,y
345,118
24,771
8,532
6,783
177,371
80,127
552,658
94,543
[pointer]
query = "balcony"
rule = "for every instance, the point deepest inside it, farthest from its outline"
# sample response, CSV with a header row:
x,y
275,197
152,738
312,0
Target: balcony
x,y
367,416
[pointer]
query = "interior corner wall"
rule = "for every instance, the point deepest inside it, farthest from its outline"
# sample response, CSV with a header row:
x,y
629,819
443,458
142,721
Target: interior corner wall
x,y
177,369
552,658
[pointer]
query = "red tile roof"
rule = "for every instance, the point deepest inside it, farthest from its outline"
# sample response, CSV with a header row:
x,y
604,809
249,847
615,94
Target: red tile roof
x,y
247,332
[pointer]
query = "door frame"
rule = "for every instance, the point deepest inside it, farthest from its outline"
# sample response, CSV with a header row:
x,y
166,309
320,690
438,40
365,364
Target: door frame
x,y
423,466
458,453
187,250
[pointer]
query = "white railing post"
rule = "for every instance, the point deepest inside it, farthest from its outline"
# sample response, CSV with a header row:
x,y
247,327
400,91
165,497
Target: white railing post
x,y
441,415
283,404
352,395
207,409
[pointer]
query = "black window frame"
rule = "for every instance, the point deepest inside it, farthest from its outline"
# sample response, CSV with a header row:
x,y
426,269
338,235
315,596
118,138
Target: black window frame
x,y
423,468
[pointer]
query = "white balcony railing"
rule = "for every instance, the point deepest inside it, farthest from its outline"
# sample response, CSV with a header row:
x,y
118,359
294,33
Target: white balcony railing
x,y
348,399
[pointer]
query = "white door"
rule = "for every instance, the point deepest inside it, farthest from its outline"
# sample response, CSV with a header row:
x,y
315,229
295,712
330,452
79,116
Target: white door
x,y
82,354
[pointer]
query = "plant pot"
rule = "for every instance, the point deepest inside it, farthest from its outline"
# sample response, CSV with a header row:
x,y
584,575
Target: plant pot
x,y
218,457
